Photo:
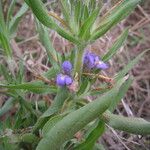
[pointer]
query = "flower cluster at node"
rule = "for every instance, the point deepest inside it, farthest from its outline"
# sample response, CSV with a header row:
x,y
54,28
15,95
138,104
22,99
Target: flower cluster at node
x,y
65,79
92,61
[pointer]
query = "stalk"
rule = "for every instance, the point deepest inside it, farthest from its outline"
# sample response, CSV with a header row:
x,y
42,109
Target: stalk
x,y
79,61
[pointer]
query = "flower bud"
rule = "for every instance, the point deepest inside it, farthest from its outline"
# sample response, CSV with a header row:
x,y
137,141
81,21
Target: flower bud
x,y
67,67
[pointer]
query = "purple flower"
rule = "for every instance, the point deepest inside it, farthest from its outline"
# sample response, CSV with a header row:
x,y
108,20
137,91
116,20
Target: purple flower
x,y
63,80
66,67
101,65
91,60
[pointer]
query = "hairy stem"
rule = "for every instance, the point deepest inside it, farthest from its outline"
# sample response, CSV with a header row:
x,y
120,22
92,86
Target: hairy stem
x,y
128,124
79,61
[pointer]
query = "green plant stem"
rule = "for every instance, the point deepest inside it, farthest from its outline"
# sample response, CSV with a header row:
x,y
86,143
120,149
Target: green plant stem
x,y
128,124
79,61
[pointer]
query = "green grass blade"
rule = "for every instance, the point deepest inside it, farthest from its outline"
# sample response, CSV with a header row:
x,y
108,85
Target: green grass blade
x,y
118,43
10,10
2,21
4,38
44,38
65,7
4,41
7,106
6,74
16,19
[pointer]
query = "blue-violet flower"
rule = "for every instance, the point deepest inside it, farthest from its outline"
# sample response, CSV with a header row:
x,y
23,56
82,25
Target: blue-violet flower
x,y
63,80
66,67
91,60
99,64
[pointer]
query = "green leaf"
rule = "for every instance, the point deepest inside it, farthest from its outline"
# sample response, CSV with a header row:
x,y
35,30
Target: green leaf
x,y
76,120
132,125
77,13
2,21
65,7
4,41
36,87
84,30
62,95
124,88
51,73
4,38
98,146
44,38
118,43
10,10
90,141
129,66
41,13
115,16
7,106
51,123
28,138
15,20
5,73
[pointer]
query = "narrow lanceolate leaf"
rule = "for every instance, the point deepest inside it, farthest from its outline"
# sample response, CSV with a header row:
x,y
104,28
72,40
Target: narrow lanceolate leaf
x,y
92,137
2,21
129,66
40,12
4,38
128,124
118,43
10,10
124,88
36,87
73,122
50,123
4,41
7,106
15,20
114,17
44,38
62,95
85,29
65,7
